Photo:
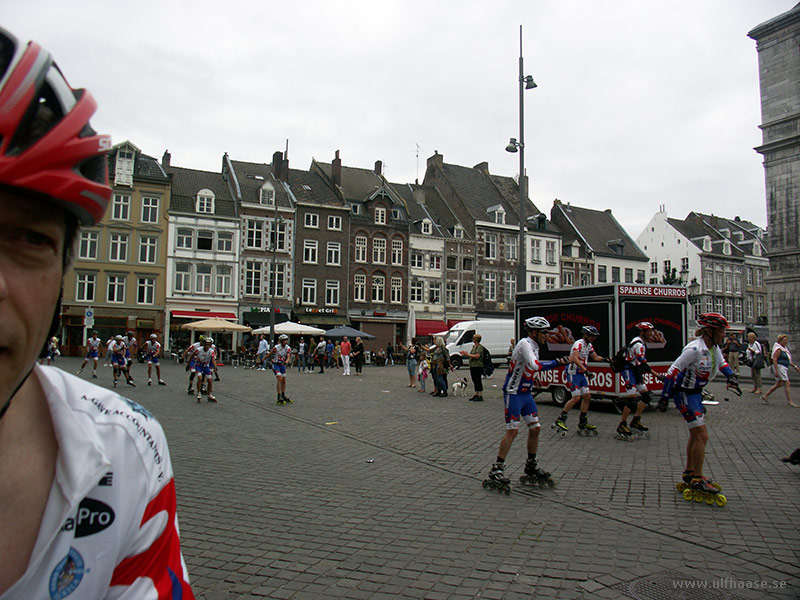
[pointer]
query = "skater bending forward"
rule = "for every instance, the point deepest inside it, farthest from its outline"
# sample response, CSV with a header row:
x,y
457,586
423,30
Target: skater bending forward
x,y
519,403
637,396
578,376
699,362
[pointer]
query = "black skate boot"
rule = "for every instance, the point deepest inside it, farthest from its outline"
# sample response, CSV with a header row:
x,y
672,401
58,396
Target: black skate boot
x,y
702,489
560,424
285,399
586,428
534,475
497,479
638,428
793,458
623,433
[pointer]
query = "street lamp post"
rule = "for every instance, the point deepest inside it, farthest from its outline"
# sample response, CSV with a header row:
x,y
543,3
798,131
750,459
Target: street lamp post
x,y
525,83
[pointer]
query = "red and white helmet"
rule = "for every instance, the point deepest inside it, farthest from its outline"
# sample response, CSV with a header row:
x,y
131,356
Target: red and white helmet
x,y
714,320
644,325
46,143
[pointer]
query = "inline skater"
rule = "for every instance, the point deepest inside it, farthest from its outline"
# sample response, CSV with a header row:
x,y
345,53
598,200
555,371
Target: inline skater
x,y
152,350
578,376
188,358
519,404
205,359
92,352
280,355
633,376
131,348
68,446
699,362
117,349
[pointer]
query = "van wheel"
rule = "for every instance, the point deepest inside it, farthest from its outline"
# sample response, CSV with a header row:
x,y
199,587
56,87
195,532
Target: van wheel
x,y
455,362
560,395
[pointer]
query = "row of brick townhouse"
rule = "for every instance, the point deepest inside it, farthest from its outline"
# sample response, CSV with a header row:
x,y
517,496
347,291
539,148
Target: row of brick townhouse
x,y
335,244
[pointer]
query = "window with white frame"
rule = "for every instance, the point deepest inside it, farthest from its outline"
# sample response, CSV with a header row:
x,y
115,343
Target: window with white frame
x,y
396,290
511,247
397,252
749,276
467,294
550,252
499,216
685,263
252,278
709,304
709,281
361,249
427,227
184,238
396,214
728,283
223,281
380,216
148,249
719,306
536,283
87,247
202,279
667,267
628,275
379,251
205,240
266,195
458,232
718,278
331,292
639,275
511,286
728,309
760,305
451,293
416,260
224,242
360,287
569,278
490,245
146,290
183,277
737,307
205,202
334,254
310,251
378,288
415,291
749,307
121,207
536,251
737,284
276,284
309,293
602,274
759,278
614,275
254,234
355,209
85,287
335,223
435,262
118,247
278,238
115,290
549,283
654,268
311,221
150,209
434,292
490,286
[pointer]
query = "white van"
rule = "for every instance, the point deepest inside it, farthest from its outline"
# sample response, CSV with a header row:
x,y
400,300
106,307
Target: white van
x,y
496,337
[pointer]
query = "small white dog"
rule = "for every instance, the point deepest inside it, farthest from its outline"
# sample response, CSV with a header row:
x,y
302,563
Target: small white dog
x,y
460,387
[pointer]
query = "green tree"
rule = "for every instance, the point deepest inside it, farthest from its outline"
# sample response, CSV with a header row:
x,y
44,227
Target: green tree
x,y
671,277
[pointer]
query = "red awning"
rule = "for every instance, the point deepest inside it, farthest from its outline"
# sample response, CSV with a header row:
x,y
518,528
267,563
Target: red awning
x,y
429,327
451,322
202,314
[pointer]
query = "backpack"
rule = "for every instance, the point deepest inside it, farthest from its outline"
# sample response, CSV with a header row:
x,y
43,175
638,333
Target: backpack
x,y
488,366
618,360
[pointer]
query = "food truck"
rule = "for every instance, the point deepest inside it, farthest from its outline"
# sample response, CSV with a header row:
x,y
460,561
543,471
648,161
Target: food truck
x,y
615,309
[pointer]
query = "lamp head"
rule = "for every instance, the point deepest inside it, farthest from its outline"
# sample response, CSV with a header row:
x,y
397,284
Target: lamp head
x,y
529,82
512,145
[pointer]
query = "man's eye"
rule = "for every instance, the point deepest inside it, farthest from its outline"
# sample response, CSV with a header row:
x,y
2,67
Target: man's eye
x,y
35,238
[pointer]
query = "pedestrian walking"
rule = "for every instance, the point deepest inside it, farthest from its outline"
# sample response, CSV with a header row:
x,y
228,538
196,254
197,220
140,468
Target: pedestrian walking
x,y
781,362
475,356
358,355
732,352
261,353
321,354
302,352
440,365
755,357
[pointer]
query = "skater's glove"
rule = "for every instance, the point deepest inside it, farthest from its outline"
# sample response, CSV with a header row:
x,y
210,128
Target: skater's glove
x,y
733,384
563,360
589,375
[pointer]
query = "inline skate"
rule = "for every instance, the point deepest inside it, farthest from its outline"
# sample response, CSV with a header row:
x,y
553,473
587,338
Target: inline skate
x,y
535,476
623,433
686,482
586,429
560,425
497,480
638,429
701,489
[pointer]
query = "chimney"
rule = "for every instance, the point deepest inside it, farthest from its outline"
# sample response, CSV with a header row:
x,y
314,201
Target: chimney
x,y
166,158
336,170
419,195
378,167
437,160
277,165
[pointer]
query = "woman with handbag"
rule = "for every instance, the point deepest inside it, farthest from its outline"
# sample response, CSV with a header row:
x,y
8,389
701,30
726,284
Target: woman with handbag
x,y
755,358
781,361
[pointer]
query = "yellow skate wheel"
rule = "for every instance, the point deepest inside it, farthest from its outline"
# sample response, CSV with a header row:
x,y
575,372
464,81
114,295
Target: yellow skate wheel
x,y
721,500
714,484
699,496
710,499
687,494
680,486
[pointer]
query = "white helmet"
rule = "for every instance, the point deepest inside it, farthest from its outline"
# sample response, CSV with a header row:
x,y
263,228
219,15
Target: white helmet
x,y
283,336
210,340
118,337
539,323
153,336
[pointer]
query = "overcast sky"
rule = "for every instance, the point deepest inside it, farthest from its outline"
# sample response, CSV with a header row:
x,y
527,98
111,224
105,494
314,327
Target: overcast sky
x,y
640,103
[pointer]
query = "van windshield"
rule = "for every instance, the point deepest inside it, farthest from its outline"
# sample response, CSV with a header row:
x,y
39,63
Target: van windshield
x,y
452,336
465,337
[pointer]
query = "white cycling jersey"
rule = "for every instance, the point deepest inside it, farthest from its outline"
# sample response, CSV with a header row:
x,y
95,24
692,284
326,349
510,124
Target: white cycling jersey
x,y
110,528
584,349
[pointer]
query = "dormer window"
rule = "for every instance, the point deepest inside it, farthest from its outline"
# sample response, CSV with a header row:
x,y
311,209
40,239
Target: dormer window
x,y
726,248
726,232
706,244
756,249
205,202
497,214
458,232
427,227
266,195
380,216
355,209
123,170
396,214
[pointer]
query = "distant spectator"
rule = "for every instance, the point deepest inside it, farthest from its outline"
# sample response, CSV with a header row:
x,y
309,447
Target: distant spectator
x,y
781,361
